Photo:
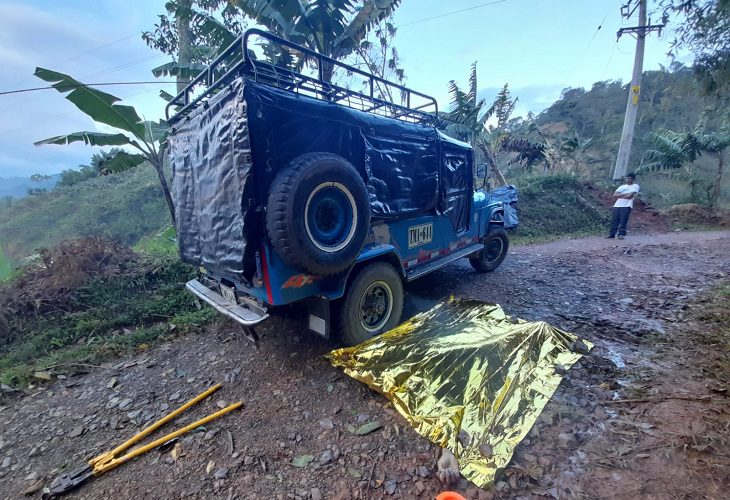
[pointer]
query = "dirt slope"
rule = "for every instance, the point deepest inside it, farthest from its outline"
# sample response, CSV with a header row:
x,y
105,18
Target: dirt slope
x,y
629,297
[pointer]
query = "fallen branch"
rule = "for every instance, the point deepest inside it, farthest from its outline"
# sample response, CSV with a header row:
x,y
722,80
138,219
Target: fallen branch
x,y
370,478
59,365
658,400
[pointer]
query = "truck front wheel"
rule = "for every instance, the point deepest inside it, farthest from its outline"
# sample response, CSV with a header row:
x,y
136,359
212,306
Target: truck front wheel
x,y
372,305
491,256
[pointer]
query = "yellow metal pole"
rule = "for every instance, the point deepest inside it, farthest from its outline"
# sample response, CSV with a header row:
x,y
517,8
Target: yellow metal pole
x,y
114,462
105,457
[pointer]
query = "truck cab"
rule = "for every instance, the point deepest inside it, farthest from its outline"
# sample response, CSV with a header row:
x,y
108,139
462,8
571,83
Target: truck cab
x,y
289,188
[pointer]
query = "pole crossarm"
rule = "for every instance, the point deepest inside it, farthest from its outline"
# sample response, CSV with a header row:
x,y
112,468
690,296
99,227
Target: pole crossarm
x,y
640,30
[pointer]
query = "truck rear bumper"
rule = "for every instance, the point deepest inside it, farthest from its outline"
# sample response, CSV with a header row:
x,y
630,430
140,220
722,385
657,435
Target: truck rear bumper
x,y
247,312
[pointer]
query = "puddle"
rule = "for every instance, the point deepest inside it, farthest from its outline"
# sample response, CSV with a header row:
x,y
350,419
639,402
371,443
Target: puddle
x,y
615,358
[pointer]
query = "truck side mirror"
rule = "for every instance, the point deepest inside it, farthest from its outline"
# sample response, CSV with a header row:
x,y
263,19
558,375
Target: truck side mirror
x,y
481,176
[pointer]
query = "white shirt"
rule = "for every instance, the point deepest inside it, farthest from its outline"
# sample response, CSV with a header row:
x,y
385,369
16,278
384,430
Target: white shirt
x,y
626,189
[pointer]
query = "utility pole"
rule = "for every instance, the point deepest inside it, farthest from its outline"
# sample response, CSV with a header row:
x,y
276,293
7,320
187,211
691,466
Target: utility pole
x,y
632,105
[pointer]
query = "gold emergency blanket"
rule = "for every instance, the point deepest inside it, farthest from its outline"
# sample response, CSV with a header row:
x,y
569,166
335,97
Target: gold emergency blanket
x,y
467,377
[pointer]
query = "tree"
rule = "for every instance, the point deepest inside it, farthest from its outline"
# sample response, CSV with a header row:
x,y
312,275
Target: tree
x,y
379,56
39,179
334,28
147,137
704,28
192,36
672,150
467,120
97,167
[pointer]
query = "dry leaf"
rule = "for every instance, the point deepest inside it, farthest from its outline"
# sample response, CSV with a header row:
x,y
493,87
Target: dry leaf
x,y
34,488
209,467
302,460
176,451
368,428
42,375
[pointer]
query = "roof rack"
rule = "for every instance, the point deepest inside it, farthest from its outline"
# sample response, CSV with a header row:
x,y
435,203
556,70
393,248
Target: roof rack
x,y
237,60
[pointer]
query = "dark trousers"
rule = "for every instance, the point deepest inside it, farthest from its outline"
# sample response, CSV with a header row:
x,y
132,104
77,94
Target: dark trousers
x,y
619,220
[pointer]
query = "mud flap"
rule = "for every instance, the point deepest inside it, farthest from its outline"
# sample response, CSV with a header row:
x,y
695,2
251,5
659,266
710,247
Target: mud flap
x,y
318,316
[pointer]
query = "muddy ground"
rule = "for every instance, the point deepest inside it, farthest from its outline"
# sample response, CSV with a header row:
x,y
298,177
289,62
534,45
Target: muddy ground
x,y
636,418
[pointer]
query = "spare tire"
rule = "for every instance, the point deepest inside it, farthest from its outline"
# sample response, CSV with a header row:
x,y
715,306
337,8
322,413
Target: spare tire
x,y
318,215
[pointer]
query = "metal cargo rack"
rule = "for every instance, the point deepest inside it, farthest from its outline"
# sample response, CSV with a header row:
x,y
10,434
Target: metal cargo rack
x,y
236,61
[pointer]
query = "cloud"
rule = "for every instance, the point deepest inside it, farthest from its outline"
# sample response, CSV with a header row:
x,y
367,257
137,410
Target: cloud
x,y
534,98
93,44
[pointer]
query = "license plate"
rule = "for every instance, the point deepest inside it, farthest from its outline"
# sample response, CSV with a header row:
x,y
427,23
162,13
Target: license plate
x,y
420,235
228,293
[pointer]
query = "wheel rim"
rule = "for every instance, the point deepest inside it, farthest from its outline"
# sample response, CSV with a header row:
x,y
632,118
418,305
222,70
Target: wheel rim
x,y
330,216
376,306
493,250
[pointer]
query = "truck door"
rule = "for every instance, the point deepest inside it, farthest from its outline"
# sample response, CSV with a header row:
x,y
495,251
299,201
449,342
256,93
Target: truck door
x,y
456,185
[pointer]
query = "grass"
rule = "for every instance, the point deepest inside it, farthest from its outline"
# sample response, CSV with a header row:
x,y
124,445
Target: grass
x,y
113,316
124,207
713,338
555,207
6,269
162,244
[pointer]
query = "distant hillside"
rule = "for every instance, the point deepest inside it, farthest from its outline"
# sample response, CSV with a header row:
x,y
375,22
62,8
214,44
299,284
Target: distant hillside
x,y
125,207
17,187
669,99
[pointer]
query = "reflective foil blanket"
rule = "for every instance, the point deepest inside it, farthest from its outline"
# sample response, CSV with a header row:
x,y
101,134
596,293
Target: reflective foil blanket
x,y
467,377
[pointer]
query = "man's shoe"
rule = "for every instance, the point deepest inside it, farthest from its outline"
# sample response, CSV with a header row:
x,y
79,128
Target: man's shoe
x,y
621,236
610,237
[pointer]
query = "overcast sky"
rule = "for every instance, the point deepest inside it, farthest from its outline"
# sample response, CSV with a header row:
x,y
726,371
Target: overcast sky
x,y
539,47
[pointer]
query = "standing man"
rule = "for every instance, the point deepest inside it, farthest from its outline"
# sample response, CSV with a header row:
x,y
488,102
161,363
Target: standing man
x,y
622,208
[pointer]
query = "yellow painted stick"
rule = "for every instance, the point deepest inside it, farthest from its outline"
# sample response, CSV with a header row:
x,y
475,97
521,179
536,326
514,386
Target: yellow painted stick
x,y
109,465
109,455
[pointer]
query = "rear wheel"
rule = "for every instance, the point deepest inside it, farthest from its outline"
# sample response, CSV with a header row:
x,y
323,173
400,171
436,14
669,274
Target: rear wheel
x,y
372,305
491,256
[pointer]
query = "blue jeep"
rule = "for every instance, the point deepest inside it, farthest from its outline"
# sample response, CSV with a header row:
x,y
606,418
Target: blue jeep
x,y
290,188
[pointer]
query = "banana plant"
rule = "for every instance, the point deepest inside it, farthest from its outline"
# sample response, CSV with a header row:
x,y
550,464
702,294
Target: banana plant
x,y
145,138
467,121
670,150
334,28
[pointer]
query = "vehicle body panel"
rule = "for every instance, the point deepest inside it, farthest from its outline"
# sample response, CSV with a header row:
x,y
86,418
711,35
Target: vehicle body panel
x,y
226,151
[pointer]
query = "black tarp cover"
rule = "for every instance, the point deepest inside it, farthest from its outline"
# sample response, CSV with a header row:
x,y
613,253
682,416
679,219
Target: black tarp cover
x,y
212,182
456,182
398,160
225,155
508,196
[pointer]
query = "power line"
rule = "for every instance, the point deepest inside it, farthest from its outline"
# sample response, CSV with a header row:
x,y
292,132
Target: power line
x,y
24,126
126,65
63,87
445,14
595,33
80,54
73,58
103,72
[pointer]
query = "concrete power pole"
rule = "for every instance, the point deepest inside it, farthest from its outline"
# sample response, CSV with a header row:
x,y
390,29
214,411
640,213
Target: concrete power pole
x,y
632,106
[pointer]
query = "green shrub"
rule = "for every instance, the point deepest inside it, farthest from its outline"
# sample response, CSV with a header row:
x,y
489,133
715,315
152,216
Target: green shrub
x,y
110,315
557,205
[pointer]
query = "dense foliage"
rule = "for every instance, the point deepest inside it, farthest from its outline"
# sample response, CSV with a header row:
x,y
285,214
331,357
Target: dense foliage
x,y
585,125
703,27
96,298
125,206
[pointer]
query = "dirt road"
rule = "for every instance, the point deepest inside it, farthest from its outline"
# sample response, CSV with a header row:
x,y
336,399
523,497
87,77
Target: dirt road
x,y
629,297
